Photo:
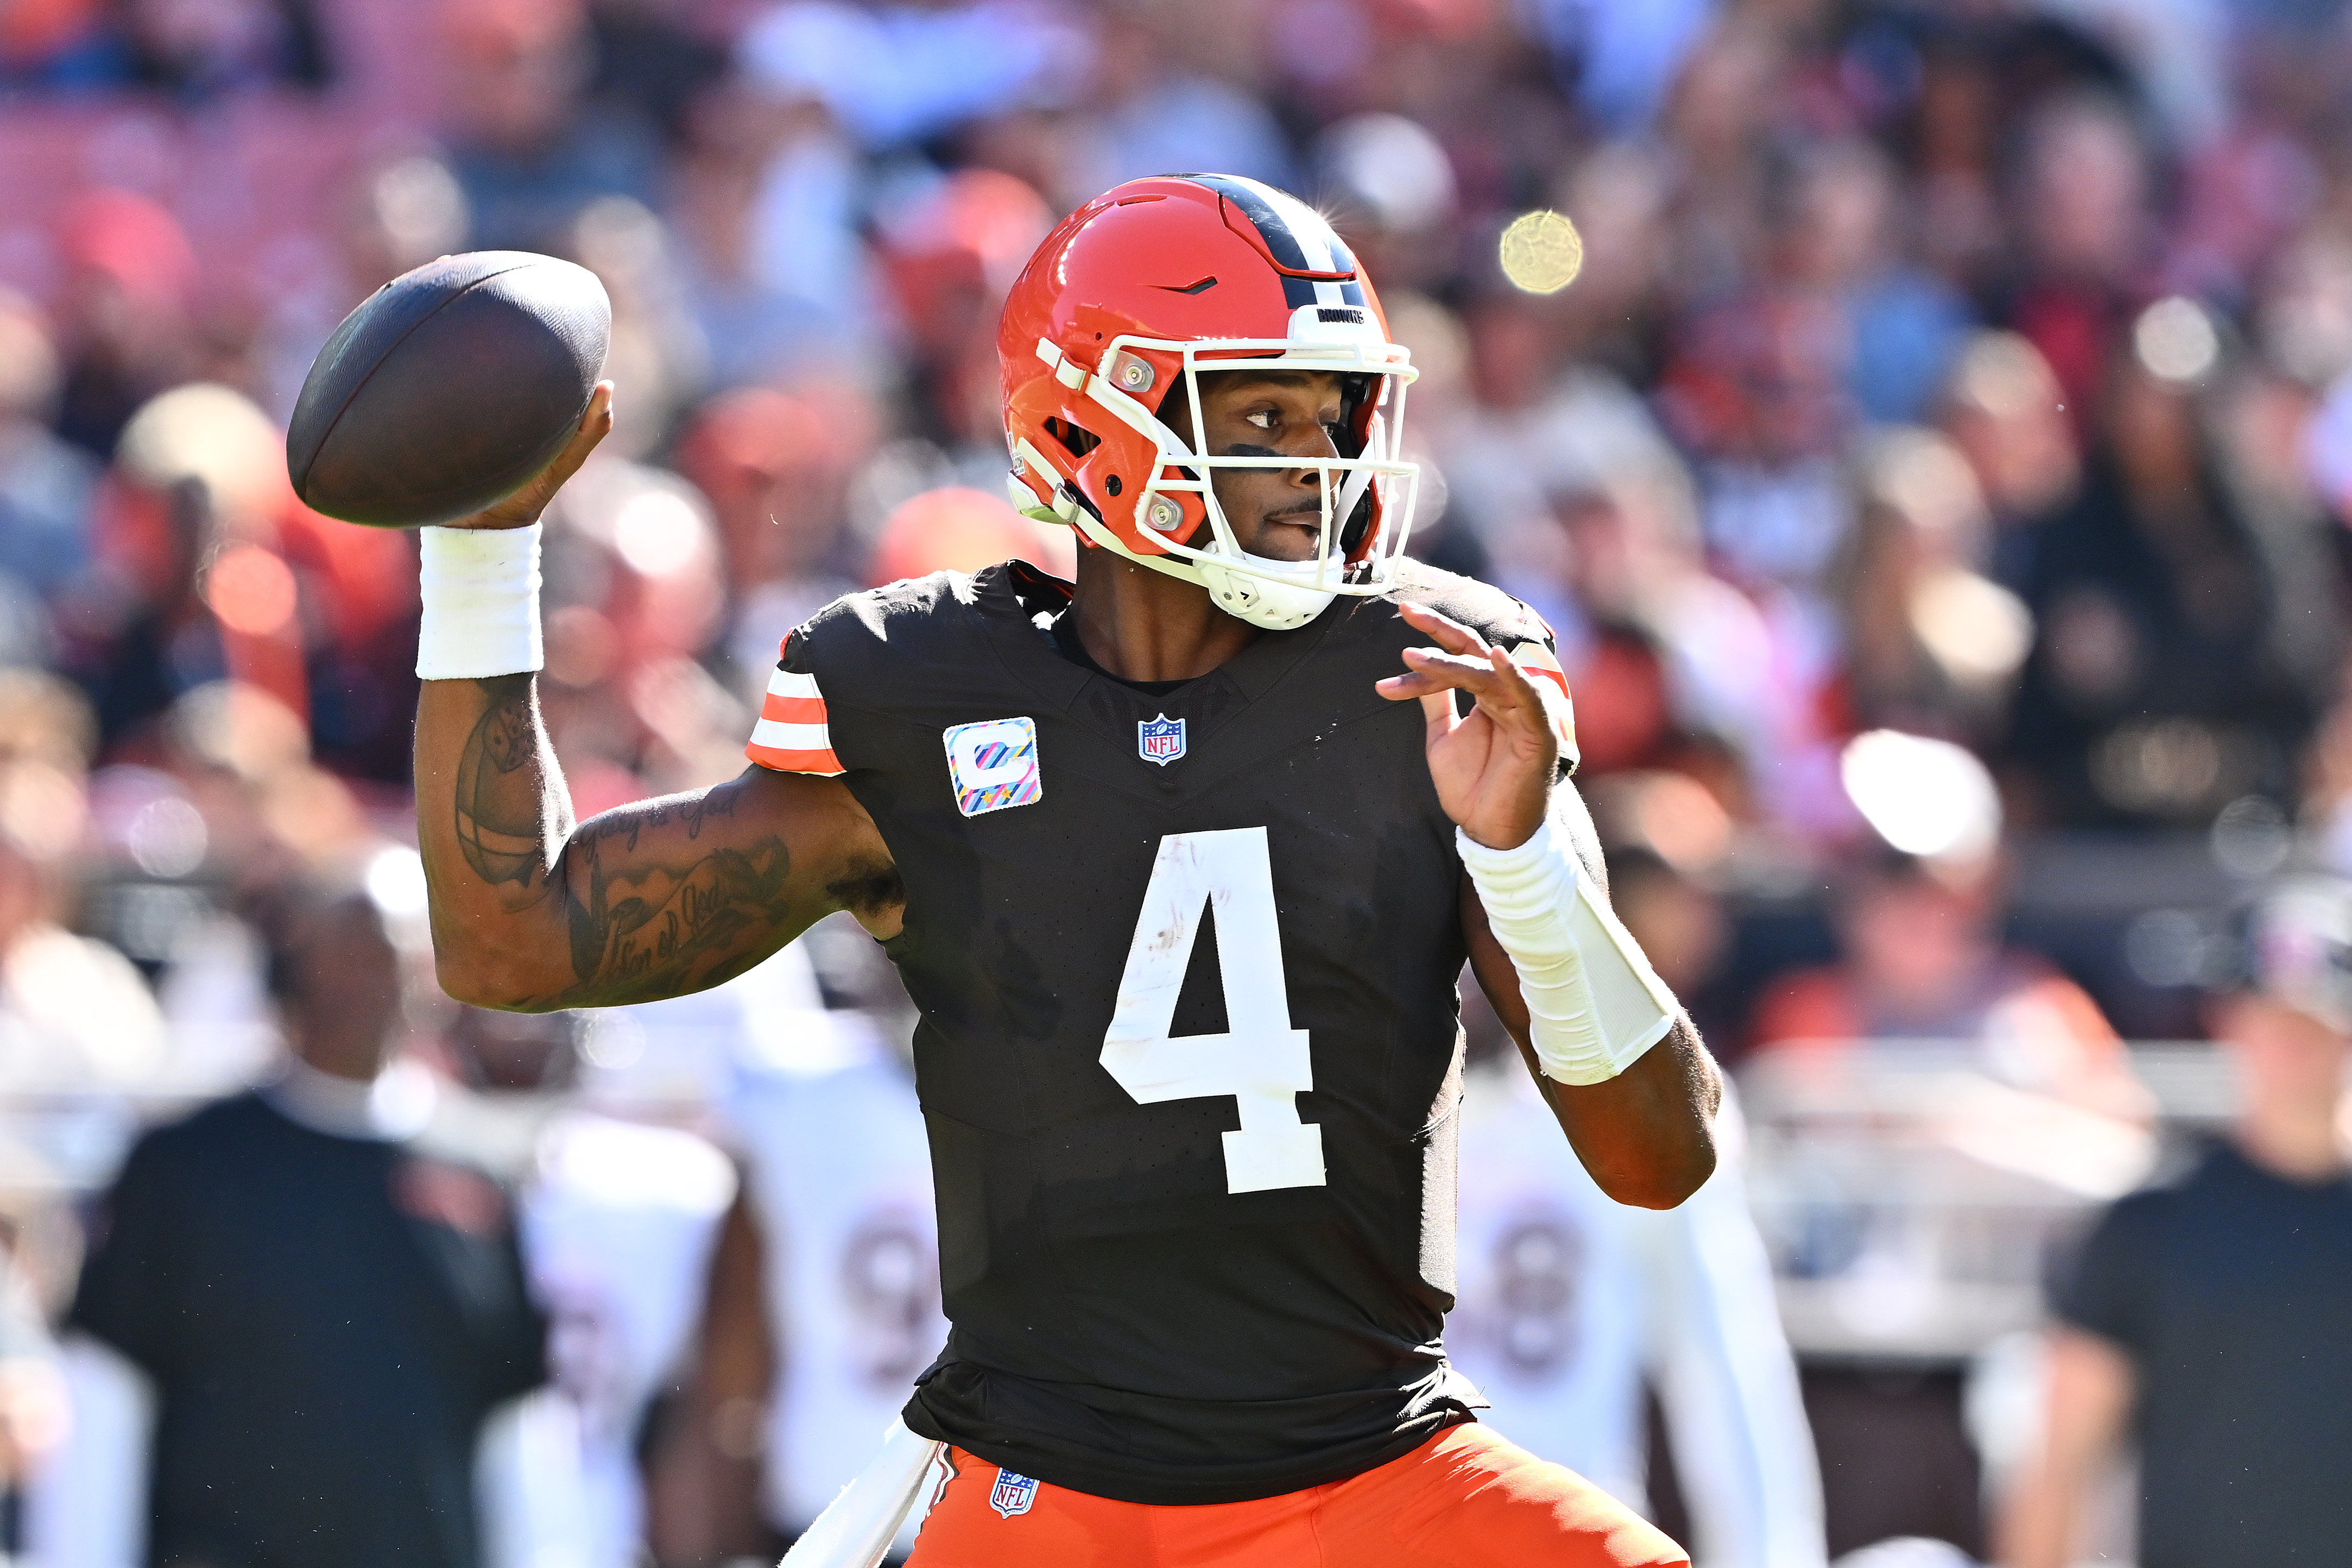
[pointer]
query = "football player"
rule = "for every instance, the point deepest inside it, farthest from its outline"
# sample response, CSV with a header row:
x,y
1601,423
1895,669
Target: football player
x,y
1179,862
842,1295
1566,1302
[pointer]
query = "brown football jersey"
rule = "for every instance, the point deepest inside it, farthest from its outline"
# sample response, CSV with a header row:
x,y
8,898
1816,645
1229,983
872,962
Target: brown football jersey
x,y
1189,1049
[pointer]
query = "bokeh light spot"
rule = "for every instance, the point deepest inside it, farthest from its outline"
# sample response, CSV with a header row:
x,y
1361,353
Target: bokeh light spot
x,y
1923,797
395,882
657,534
251,591
1541,252
167,839
2174,340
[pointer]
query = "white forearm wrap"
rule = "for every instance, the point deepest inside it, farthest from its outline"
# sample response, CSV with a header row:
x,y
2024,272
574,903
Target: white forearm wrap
x,y
1594,1004
482,603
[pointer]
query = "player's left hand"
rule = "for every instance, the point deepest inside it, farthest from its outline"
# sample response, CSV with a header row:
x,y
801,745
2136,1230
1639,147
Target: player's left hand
x,y
1493,768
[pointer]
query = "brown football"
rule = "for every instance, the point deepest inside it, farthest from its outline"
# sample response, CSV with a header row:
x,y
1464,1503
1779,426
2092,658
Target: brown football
x,y
448,388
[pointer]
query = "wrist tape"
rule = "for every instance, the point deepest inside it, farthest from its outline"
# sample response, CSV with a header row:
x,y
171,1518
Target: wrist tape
x,y
480,588
1594,1004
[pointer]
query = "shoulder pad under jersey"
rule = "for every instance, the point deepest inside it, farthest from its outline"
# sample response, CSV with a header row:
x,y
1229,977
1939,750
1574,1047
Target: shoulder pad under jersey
x,y
1506,621
846,654
1484,608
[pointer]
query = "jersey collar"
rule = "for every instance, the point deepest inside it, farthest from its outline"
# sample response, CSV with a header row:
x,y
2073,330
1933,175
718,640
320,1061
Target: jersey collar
x,y
1016,592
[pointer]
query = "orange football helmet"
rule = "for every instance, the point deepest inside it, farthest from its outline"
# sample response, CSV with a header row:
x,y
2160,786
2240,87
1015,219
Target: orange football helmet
x,y
1131,298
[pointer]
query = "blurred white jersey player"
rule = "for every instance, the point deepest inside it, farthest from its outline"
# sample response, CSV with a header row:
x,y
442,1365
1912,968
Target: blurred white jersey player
x,y
838,1179
1565,1301
623,1212
618,1229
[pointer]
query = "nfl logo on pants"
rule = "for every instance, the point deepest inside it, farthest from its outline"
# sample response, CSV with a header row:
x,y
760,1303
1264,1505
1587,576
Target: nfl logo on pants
x,y
1012,1494
1159,740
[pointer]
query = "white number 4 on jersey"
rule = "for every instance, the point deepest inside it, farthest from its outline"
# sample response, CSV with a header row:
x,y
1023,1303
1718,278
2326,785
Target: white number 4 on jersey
x,y
1260,1059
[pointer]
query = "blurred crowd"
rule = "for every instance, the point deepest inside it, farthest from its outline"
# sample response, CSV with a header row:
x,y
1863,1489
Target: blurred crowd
x,y
1937,476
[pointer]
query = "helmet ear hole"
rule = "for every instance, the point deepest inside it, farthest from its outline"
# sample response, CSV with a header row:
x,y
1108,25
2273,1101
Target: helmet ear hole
x,y
1075,441
1356,394
1359,523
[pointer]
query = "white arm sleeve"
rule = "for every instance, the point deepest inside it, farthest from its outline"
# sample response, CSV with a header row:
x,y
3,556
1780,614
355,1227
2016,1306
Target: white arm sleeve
x,y
1742,1446
1594,1004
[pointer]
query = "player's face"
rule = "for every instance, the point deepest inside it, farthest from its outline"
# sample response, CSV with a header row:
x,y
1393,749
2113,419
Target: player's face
x,y
2284,1053
1274,512
347,989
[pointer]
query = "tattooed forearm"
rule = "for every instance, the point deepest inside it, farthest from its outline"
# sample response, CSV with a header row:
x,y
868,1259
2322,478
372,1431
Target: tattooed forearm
x,y
500,795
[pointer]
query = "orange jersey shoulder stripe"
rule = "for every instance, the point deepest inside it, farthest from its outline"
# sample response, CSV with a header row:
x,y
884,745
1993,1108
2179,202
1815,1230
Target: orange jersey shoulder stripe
x,y
793,710
784,761
1541,663
795,734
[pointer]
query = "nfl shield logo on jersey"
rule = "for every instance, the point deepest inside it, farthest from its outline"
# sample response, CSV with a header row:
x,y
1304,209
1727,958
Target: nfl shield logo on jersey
x,y
1159,740
1014,1494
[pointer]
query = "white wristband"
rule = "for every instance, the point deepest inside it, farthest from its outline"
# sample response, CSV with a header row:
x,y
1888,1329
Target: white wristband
x,y
480,588
1594,1004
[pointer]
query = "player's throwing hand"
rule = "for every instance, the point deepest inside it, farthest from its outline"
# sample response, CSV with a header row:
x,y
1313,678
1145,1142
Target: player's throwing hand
x,y
521,508
1493,768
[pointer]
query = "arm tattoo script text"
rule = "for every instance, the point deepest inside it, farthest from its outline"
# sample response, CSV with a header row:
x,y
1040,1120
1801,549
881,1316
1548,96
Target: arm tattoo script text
x,y
669,913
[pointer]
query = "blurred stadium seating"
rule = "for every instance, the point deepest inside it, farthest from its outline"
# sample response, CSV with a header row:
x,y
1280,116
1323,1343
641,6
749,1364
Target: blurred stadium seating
x,y
1978,372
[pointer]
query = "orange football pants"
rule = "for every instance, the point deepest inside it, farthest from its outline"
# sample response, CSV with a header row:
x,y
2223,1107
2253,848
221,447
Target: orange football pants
x,y
1465,1498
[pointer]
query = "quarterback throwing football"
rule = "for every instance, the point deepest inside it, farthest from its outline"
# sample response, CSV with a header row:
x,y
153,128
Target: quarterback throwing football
x,y
1181,863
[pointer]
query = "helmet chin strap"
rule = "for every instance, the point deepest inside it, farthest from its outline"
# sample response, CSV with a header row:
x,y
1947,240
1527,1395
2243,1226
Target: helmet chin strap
x,y
1258,596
